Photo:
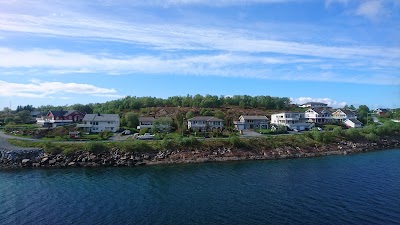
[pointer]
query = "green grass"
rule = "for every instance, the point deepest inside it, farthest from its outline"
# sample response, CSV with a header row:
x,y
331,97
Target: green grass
x,y
175,142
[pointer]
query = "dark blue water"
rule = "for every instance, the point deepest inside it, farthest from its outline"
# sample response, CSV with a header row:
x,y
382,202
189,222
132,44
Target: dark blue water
x,y
356,189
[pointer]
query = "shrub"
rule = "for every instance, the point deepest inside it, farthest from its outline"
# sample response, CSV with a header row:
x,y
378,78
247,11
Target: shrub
x,y
352,133
371,137
317,135
236,142
136,146
51,148
143,131
337,131
187,142
328,137
105,134
168,143
141,146
96,147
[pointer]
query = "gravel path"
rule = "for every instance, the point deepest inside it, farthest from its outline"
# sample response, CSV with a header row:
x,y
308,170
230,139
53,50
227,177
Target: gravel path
x,y
4,145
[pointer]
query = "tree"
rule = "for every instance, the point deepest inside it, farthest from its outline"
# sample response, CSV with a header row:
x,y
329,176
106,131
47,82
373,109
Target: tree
x,y
131,120
189,115
162,125
24,116
363,111
7,110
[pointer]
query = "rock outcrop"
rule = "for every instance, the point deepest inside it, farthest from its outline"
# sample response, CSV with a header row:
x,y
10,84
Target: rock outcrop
x,y
37,158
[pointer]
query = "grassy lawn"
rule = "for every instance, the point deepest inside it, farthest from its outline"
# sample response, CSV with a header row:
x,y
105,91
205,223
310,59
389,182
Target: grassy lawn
x,y
330,127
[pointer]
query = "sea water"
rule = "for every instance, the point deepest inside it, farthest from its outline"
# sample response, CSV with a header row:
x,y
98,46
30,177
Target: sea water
x,y
352,189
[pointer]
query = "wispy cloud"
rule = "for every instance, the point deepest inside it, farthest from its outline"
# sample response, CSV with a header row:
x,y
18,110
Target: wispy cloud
x,y
174,37
371,9
45,89
39,61
330,2
329,101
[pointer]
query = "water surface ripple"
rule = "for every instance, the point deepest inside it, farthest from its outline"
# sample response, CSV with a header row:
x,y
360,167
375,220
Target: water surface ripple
x,y
355,189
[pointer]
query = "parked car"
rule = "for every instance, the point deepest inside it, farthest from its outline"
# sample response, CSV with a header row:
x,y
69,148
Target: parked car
x,y
126,132
145,136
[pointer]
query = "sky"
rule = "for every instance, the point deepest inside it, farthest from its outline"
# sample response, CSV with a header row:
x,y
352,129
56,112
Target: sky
x,y
338,52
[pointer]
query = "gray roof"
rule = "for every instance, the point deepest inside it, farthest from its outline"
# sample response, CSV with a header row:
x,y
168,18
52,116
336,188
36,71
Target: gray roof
x,y
205,118
247,117
355,121
347,112
101,117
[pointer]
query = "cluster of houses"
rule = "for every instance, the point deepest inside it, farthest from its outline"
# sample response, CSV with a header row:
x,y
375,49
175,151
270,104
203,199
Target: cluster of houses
x,y
92,123
316,113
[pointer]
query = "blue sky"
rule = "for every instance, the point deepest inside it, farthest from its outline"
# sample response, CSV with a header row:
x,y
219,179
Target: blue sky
x,y
334,51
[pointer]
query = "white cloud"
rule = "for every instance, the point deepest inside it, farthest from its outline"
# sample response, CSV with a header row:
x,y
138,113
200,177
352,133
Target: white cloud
x,y
44,89
371,9
43,61
331,103
174,37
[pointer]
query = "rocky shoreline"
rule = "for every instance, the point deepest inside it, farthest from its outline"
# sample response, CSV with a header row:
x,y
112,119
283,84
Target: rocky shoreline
x,y
37,158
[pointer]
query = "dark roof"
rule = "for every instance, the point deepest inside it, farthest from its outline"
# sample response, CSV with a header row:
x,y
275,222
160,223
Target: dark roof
x,y
320,110
101,117
37,113
247,117
58,112
314,103
146,118
62,112
205,118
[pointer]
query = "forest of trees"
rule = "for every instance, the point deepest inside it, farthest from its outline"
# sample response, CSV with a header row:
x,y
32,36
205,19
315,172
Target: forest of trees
x,y
207,101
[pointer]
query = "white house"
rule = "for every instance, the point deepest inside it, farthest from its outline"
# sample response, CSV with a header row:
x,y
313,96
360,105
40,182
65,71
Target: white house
x,y
145,122
96,123
164,123
313,105
291,120
318,115
342,115
251,122
353,123
205,123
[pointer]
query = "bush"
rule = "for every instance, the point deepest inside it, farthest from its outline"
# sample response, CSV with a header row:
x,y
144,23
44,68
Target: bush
x,y
168,143
337,131
188,142
136,146
317,135
51,148
236,142
353,134
105,134
143,131
371,137
96,147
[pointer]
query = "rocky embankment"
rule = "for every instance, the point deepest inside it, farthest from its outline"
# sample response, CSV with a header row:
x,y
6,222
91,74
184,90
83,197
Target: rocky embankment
x,y
14,157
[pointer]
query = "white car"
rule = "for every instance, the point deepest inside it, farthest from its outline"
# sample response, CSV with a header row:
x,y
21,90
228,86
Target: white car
x,y
145,136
